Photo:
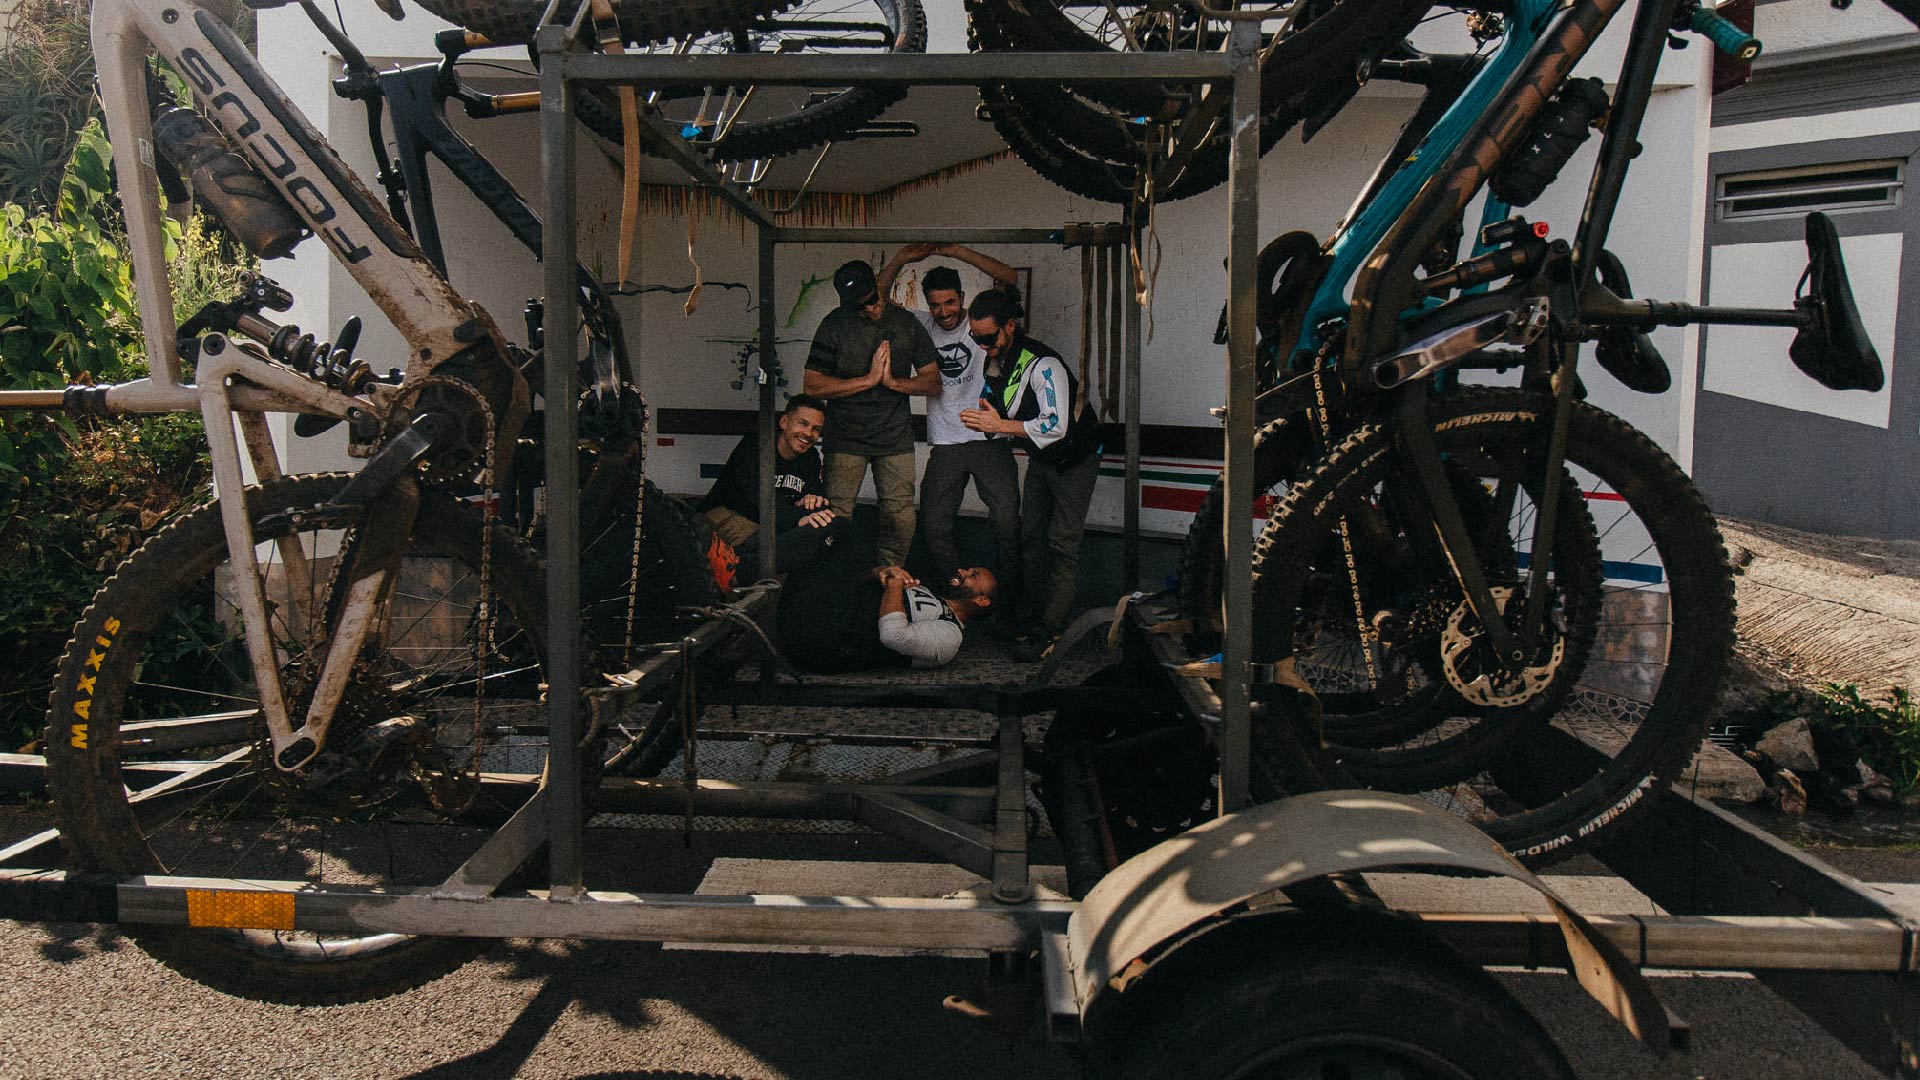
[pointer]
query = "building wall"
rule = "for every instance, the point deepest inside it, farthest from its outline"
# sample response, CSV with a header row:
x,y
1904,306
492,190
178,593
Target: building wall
x,y
1833,88
686,362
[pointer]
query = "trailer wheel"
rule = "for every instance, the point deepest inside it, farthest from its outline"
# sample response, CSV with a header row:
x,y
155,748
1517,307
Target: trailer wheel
x,y
1367,1005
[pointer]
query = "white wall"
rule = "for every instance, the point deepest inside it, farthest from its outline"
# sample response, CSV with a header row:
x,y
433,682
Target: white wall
x,y
687,362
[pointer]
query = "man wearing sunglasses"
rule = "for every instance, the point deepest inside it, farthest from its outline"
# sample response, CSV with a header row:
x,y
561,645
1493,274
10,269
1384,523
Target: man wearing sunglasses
x,y
955,452
868,357
1032,396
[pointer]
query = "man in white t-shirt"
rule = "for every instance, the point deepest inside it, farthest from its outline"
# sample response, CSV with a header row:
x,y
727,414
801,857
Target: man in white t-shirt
x,y
834,621
956,453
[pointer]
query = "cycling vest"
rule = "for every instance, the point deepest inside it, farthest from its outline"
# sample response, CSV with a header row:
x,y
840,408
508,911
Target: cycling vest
x,y
1015,399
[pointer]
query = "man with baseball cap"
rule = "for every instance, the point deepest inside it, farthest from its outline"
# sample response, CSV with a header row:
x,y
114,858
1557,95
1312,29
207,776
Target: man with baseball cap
x,y
867,358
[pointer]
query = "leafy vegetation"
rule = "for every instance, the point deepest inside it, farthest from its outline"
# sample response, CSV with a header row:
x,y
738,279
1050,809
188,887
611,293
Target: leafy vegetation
x,y
77,496
46,98
1884,732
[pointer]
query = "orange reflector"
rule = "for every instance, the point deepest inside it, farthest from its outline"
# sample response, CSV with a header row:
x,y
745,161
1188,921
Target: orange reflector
x,y
240,910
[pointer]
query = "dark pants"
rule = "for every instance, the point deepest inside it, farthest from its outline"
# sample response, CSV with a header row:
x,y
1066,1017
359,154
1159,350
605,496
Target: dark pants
x,y
795,549
1053,517
989,462
829,620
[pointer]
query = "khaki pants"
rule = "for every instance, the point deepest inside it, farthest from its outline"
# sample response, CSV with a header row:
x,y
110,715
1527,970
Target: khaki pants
x,y
892,481
735,529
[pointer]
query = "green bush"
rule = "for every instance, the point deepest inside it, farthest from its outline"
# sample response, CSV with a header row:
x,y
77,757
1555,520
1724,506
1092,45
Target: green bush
x,y
77,496
46,97
1884,733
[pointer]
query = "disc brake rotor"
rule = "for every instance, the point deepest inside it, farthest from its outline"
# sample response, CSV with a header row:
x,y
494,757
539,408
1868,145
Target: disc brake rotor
x,y
1476,675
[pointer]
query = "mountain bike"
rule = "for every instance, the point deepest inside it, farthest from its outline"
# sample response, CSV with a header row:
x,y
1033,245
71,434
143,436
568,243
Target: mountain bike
x,y
304,677
1451,571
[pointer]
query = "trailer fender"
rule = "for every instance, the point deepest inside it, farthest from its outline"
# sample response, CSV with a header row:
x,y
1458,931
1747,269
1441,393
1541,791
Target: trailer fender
x,y
1156,900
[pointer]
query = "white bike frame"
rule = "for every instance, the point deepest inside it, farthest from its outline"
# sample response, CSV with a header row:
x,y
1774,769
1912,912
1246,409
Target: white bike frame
x,y
239,98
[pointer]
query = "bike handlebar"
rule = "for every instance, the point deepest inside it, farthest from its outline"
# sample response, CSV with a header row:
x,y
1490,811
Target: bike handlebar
x,y
1726,37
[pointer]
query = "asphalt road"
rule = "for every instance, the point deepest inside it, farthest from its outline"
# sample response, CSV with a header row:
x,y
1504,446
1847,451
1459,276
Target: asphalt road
x,y
82,1001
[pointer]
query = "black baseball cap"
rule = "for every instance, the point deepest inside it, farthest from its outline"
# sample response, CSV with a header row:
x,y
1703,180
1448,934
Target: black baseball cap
x,y
854,282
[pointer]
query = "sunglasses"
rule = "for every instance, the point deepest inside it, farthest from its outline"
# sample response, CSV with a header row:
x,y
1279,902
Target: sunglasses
x,y
986,339
871,300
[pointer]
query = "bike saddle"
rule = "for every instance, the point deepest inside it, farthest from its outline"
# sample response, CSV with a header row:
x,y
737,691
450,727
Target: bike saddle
x,y
1287,256
1832,347
1628,354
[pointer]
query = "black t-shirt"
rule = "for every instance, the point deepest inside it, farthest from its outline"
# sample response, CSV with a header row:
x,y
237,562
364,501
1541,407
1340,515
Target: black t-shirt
x,y
876,420
738,486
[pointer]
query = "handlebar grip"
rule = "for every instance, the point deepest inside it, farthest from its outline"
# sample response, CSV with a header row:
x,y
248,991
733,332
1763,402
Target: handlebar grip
x,y
1726,37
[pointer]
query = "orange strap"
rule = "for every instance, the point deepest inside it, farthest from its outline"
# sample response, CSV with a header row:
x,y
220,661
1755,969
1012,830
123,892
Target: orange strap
x,y
612,42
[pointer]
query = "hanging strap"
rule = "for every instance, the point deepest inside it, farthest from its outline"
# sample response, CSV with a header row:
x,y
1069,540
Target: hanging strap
x,y
607,29
1086,311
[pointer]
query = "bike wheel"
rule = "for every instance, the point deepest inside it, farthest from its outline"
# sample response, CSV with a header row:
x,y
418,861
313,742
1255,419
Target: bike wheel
x,y
157,759
512,22
740,123
1094,139
1640,626
1397,700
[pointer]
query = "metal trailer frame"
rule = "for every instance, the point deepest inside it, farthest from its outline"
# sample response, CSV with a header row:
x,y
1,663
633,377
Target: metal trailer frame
x,y
1742,900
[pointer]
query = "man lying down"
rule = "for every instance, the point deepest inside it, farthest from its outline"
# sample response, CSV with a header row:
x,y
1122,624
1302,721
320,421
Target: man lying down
x,y
832,621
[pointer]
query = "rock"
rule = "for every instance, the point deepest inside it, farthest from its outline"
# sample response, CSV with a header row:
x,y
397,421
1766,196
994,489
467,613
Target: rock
x,y
1878,795
1786,794
1790,746
1722,776
1870,778
1911,800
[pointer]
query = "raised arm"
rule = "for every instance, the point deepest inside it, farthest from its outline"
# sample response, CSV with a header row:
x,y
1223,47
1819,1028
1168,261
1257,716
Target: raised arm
x,y
911,253
1000,272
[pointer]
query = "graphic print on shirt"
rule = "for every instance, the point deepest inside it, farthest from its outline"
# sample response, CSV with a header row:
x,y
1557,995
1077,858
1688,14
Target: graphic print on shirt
x,y
955,359
922,605
1052,411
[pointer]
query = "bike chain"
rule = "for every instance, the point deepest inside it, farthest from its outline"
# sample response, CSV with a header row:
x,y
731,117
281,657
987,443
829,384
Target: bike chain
x,y
1361,622
639,524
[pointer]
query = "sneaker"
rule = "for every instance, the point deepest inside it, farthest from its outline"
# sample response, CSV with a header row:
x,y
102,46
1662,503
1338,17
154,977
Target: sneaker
x,y
1032,650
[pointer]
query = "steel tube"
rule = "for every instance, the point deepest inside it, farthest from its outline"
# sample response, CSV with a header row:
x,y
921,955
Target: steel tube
x,y
783,798
830,234
32,399
607,916
1011,880
566,819
1130,507
918,69
769,520
682,153
1726,943
1243,241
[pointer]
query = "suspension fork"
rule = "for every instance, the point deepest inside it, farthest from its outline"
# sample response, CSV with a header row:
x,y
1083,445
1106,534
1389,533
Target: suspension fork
x,y
1552,489
1414,433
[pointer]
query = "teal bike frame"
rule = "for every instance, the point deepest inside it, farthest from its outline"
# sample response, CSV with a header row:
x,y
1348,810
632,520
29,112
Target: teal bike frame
x,y
1355,241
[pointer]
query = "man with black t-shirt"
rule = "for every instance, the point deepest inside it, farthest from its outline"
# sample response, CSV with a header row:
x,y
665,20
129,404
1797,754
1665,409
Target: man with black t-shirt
x,y
804,526
868,357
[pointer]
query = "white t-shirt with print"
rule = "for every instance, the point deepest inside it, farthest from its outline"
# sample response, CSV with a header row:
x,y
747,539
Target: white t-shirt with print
x,y
927,631
962,379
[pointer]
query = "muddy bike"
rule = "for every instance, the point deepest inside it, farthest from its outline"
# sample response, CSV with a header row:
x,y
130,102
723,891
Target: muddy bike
x,y
1504,598
301,679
